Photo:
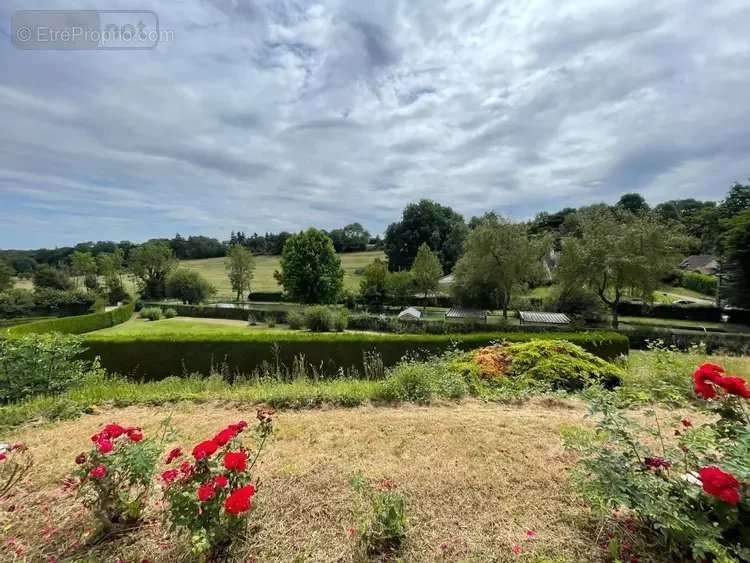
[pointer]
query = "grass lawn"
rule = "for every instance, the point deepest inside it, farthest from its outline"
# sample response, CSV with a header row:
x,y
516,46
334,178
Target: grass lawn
x,y
476,477
181,325
263,280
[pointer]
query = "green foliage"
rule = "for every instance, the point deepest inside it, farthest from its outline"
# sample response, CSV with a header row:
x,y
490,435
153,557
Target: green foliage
x,y
575,301
170,313
53,278
296,319
75,325
426,270
151,263
420,382
151,313
116,292
188,286
326,319
116,475
351,238
613,252
310,270
35,364
17,303
6,276
240,265
373,288
701,283
82,264
399,288
425,222
737,246
91,282
633,203
382,520
635,466
500,258
161,355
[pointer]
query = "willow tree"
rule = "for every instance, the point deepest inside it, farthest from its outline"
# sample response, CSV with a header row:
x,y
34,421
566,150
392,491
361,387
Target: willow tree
x,y
613,254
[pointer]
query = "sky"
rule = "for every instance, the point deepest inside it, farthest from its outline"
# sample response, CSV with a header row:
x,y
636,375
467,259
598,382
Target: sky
x,y
269,115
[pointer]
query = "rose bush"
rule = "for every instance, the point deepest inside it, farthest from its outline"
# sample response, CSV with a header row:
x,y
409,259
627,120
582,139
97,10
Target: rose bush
x,y
688,485
116,475
211,495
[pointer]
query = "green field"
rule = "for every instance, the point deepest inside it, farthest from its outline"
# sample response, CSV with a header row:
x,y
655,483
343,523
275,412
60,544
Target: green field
x,y
263,280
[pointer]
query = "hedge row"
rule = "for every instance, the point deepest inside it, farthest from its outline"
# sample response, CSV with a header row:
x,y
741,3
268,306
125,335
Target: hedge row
x,y
157,356
700,313
75,325
738,316
385,323
701,283
266,296
233,313
715,342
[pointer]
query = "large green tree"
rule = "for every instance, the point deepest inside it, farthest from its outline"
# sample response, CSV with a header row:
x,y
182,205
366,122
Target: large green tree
x,y
151,263
499,259
633,202
736,245
426,271
399,287
188,286
54,278
373,288
737,200
351,238
240,265
310,269
426,222
615,253
82,264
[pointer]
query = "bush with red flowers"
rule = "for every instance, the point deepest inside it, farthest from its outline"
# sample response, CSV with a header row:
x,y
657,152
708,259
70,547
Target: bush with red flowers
x,y
688,484
116,475
210,490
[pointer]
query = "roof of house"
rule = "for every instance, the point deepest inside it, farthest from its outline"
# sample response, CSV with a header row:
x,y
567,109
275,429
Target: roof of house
x,y
446,280
699,262
410,312
461,313
544,318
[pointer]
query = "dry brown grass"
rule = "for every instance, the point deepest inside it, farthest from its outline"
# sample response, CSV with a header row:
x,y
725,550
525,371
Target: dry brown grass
x,y
476,477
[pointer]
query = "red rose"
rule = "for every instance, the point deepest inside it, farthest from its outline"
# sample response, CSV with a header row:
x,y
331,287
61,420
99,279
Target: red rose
x,y
239,500
104,445
221,481
225,436
206,492
735,386
3,456
173,455
704,376
720,484
135,434
235,461
686,422
186,469
205,449
656,463
113,430
98,472
81,458
169,475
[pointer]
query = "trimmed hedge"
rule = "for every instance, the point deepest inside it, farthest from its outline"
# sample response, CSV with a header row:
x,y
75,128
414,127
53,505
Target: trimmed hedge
x,y
738,316
389,323
75,325
266,296
158,356
232,313
699,313
701,283
715,342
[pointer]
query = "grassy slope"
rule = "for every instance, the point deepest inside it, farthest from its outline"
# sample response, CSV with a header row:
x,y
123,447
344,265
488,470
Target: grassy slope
x,y
213,270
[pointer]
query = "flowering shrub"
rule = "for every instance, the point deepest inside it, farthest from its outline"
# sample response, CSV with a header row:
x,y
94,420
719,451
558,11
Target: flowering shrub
x,y
382,526
690,484
210,497
116,474
15,463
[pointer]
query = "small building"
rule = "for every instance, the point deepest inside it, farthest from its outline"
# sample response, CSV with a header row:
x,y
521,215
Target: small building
x,y
456,313
410,314
446,282
537,318
701,263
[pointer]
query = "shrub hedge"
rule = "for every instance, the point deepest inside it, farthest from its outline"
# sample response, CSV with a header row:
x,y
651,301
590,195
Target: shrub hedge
x,y
158,356
266,296
699,313
389,323
75,325
715,342
701,283
233,313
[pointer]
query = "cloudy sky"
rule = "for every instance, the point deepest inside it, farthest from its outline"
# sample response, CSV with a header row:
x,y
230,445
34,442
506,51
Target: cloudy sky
x,y
265,115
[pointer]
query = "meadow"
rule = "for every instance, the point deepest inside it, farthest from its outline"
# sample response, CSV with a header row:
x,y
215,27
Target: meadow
x,y
214,271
